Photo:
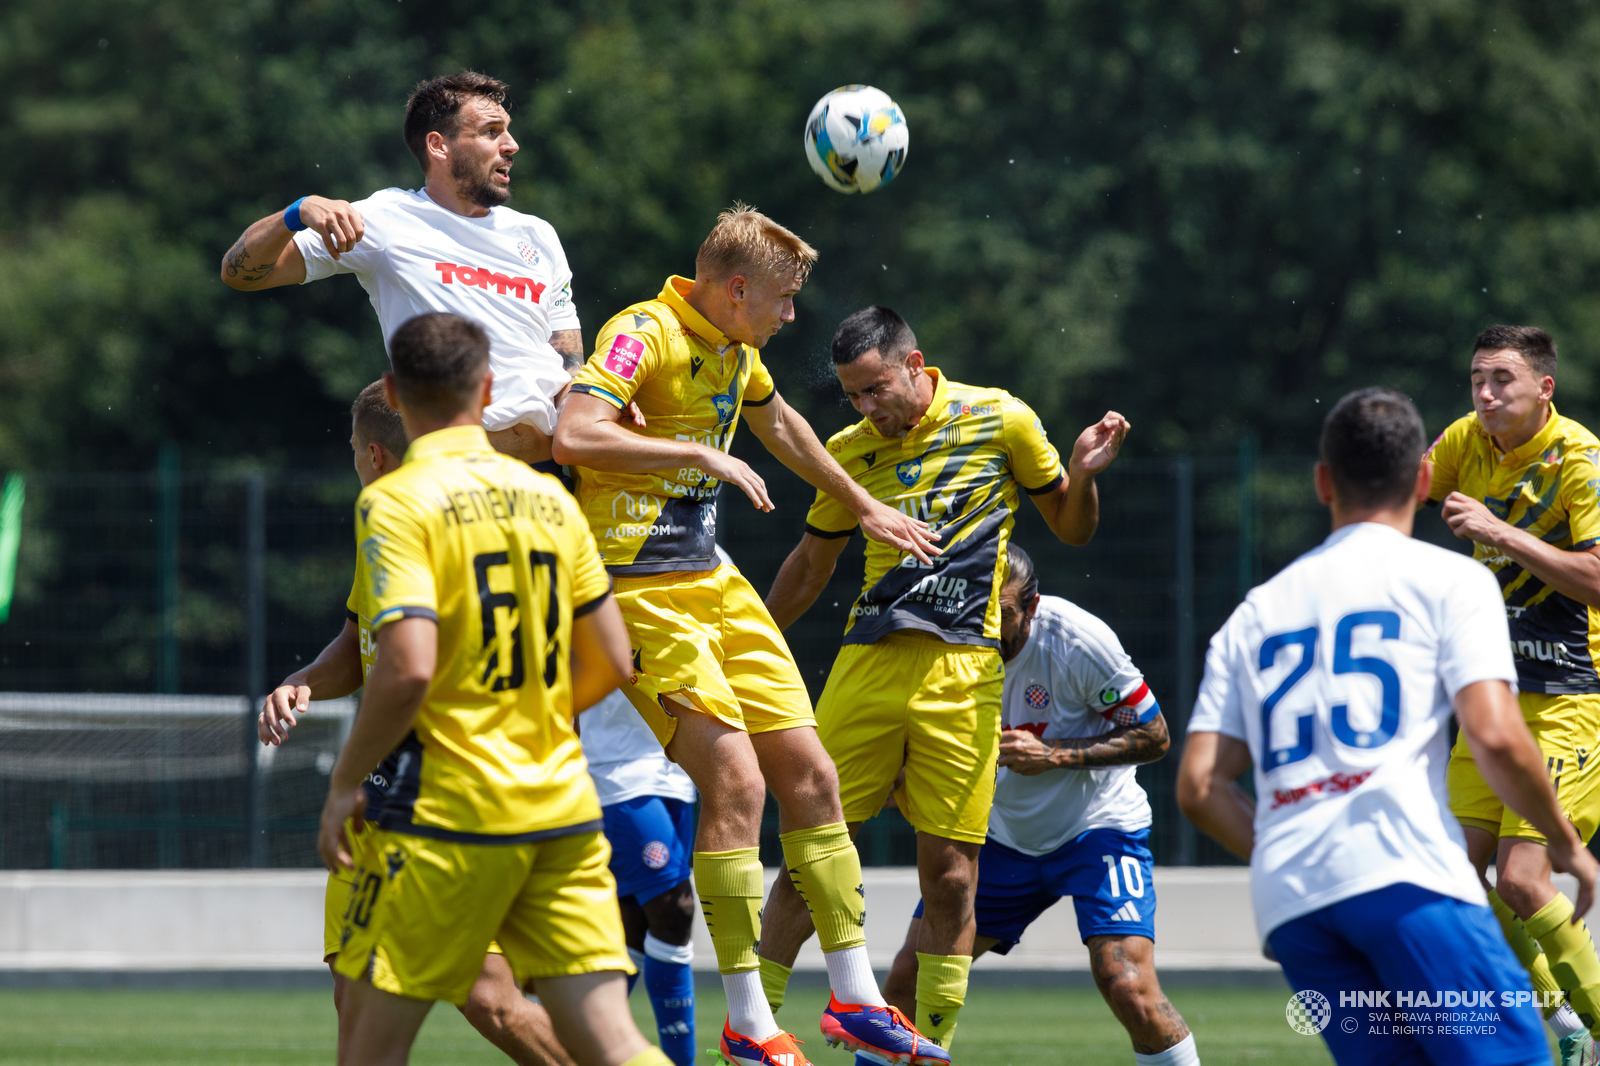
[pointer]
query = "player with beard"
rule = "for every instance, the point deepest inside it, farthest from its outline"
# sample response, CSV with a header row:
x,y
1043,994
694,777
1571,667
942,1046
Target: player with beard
x,y
451,246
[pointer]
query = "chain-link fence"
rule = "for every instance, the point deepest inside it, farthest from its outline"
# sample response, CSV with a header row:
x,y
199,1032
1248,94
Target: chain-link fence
x,y
222,583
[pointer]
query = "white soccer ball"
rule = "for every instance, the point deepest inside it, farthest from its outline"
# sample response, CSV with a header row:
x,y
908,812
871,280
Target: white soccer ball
x,y
857,138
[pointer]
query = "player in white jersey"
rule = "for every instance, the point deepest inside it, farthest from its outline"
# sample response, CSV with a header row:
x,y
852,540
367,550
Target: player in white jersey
x,y
1335,682
451,246
647,802
1069,818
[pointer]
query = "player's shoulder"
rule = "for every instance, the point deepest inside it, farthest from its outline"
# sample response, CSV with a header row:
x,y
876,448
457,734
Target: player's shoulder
x,y
653,319
393,200
510,218
1067,629
857,438
1578,444
1461,433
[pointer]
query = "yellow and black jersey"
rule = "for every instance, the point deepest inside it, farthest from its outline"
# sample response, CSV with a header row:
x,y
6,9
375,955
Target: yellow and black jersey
x,y
1547,487
958,470
500,557
690,382
359,610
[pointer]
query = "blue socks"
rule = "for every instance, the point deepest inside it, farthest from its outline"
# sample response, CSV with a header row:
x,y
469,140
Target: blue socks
x,y
670,984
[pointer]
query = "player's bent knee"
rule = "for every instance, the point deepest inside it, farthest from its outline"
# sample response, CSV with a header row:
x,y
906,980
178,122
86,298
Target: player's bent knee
x,y
671,914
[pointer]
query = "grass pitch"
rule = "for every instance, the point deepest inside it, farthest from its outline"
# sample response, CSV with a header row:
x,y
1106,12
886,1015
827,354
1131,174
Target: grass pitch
x,y
999,1027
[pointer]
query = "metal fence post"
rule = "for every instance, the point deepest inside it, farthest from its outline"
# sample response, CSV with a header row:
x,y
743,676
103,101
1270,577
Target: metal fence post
x,y
169,486
255,679
1183,643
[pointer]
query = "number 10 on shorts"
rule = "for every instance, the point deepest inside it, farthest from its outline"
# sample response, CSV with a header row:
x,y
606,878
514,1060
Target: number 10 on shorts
x,y
1132,875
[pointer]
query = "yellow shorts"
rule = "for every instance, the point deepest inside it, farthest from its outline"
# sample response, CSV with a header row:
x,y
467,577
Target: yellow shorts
x,y
425,912
913,700
1567,730
706,638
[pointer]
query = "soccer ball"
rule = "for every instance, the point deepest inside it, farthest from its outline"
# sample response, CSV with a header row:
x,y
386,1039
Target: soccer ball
x,y
856,138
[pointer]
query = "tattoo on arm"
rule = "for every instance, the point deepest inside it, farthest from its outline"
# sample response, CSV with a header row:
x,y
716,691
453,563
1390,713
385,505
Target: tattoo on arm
x,y
1126,745
569,344
238,264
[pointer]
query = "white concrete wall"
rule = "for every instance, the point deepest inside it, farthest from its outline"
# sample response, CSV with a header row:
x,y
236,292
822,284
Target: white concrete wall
x,y
272,920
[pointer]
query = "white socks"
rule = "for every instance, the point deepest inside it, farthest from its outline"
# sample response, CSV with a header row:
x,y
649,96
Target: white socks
x,y
1564,1022
1180,1054
748,1012
850,976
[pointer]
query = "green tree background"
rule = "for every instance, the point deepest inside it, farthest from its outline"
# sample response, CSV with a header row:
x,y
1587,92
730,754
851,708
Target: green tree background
x,y
1209,216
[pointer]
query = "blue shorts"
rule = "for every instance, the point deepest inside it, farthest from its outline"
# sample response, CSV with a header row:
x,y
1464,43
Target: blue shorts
x,y
1373,956
1107,872
652,840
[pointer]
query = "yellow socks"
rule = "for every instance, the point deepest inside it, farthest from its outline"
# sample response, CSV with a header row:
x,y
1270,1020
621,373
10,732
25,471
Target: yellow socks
x,y
1527,953
651,1056
775,982
1570,953
826,871
941,989
729,886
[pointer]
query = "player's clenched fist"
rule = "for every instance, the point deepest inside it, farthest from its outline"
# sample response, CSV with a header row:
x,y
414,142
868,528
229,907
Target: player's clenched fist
x,y
280,711
338,222
333,842
1099,444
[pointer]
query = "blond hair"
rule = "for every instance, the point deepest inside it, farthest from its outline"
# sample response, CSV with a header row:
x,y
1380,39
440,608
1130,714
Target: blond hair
x,y
744,241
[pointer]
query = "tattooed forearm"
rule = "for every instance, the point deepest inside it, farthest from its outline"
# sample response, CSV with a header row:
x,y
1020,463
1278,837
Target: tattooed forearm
x,y
1128,745
569,344
238,264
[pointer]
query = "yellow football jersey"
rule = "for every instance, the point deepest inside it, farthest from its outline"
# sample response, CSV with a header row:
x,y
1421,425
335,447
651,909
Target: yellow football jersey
x,y
499,555
690,381
957,470
1548,488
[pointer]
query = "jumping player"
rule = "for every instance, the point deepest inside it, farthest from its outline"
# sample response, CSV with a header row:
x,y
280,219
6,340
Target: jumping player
x,y
917,685
1069,819
648,806
494,625
1519,481
496,1007
452,246
1335,681
712,675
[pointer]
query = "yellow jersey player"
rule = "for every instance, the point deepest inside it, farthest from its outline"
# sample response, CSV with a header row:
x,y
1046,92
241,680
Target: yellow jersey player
x,y
917,685
712,675
493,624
1519,481
496,1006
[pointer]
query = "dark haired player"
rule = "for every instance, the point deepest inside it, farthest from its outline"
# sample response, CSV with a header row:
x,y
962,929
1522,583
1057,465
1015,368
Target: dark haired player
x,y
495,1006
451,245
917,685
1519,481
1336,681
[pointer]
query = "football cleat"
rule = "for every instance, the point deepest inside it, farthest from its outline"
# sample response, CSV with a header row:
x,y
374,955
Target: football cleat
x,y
779,1049
1577,1049
881,1034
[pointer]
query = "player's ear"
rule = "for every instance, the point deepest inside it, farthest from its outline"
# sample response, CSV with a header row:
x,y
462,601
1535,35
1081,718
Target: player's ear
x,y
1424,481
737,287
391,395
438,150
1324,480
914,361
1547,389
486,393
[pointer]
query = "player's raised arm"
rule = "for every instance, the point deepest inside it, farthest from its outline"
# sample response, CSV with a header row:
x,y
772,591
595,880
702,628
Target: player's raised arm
x,y
335,672
803,576
792,440
265,255
1514,767
1072,508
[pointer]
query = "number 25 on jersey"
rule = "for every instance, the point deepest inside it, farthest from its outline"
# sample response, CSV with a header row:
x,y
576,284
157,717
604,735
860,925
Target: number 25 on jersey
x,y
1387,625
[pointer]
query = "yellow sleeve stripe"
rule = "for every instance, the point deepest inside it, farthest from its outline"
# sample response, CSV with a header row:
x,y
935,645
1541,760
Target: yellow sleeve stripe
x,y
394,614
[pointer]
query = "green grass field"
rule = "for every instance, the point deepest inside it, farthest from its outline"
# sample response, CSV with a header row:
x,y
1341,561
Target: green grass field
x,y
999,1027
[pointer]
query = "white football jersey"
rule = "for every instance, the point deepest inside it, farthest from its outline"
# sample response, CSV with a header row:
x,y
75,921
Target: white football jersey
x,y
506,271
625,758
1340,674
1071,679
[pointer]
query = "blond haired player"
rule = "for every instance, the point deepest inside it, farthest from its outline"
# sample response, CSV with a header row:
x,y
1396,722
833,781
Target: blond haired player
x,y
711,673
494,624
495,1007
452,245
917,685
1519,481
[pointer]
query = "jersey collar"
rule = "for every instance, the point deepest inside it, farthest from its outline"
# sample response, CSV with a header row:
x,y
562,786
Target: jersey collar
x,y
447,441
1534,448
674,294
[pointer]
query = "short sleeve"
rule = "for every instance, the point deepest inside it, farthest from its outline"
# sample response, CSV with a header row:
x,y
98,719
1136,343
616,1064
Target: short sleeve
x,y
362,260
1034,461
760,388
1219,706
590,581
1109,683
627,353
563,311
391,546
1474,639
1580,477
1445,455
